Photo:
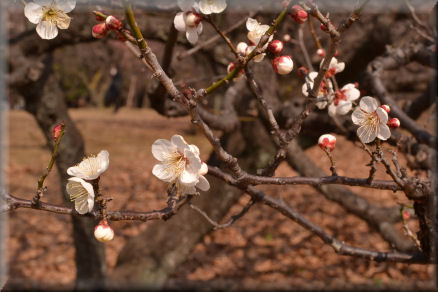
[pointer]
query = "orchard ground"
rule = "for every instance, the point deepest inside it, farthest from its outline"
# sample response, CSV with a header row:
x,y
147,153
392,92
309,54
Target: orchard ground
x,y
261,250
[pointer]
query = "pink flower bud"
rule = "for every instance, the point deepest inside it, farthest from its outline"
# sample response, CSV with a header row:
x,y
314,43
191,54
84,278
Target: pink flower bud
x,y
241,48
287,37
192,19
327,141
283,64
99,30
113,23
323,27
276,47
57,131
406,215
303,71
321,53
298,14
386,108
394,123
103,232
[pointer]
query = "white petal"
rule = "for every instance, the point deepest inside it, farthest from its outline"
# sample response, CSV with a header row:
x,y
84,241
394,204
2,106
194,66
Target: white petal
x,y
368,104
33,12
75,171
179,22
219,6
382,114
332,110
46,3
252,24
204,7
258,58
188,178
304,89
312,75
47,30
358,116
82,193
199,28
351,92
321,104
162,172
65,5
161,148
339,67
193,161
103,161
343,107
383,132
203,184
194,149
180,143
186,5
262,29
204,169
192,35
254,37
366,134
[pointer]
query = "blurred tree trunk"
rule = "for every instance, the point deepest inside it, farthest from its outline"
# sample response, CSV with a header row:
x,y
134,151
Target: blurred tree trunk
x,y
46,103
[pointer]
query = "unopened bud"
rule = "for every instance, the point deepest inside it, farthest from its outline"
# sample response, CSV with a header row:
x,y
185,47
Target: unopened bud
x,y
386,108
276,47
113,23
241,48
57,131
394,123
323,27
99,30
303,71
283,64
298,14
327,141
103,232
321,53
287,37
406,215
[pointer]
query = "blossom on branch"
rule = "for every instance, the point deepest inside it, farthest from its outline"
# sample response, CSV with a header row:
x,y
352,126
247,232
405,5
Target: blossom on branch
x,y
335,67
283,64
255,32
189,20
341,103
327,141
372,120
49,15
82,193
324,89
179,164
103,232
91,167
212,6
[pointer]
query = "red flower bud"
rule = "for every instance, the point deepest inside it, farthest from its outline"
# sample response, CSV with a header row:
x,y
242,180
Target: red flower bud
x,y
386,108
276,47
394,123
283,65
113,23
327,141
406,215
323,27
298,14
99,30
303,71
57,131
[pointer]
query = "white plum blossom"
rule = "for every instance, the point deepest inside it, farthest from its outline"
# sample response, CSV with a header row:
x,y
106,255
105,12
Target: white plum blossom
x,y
179,164
324,93
243,49
255,32
212,6
334,67
91,167
49,15
189,20
82,193
341,103
372,120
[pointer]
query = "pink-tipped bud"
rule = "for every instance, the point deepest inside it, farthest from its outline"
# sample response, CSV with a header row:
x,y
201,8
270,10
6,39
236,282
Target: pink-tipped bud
x,y
113,23
231,67
327,141
103,232
57,131
276,47
386,108
406,215
303,71
336,53
287,37
192,19
241,48
283,64
99,30
323,27
356,84
298,14
394,123
321,53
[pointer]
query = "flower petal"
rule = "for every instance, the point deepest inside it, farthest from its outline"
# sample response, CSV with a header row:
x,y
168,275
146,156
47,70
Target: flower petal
x,y
82,193
192,35
382,114
366,134
180,143
358,116
163,173
33,12
383,132
204,7
46,3
179,22
194,149
343,107
203,184
252,24
332,110
199,28
102,161
193,163
47,30
161,147
351,91
219,6
65,5
258,58
188,178
204,169
368,104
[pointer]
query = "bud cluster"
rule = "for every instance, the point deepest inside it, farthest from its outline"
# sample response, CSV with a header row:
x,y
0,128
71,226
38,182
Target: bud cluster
x,y
298,14
108,23
393,123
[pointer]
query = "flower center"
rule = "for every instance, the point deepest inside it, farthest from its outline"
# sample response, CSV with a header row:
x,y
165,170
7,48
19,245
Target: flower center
x,y
339,95
175,163
192,19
